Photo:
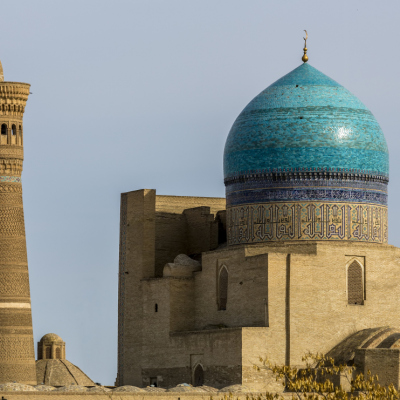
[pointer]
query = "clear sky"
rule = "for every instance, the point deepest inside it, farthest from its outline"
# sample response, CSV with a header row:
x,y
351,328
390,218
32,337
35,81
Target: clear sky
x,y
142,94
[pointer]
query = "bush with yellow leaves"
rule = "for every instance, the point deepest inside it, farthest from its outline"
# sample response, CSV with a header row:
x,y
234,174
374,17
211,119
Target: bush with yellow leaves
x,y
316,381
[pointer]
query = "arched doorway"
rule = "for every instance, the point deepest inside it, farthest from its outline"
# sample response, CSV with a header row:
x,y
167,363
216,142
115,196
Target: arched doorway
x,y
198,376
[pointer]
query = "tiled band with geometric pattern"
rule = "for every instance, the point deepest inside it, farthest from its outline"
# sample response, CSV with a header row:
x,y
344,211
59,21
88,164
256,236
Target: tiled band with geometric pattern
x,y
16,179
304,187
257,223
307,194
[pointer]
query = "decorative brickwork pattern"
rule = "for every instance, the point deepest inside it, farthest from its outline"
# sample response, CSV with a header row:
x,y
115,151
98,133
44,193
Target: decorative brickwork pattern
x,y
11,189
355,290
13,318
16,152
14,283
13,251
12,372
12,222
18,348
11,331
11,198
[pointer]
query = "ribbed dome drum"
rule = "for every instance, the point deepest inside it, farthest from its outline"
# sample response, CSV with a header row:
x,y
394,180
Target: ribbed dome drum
x,y
306,160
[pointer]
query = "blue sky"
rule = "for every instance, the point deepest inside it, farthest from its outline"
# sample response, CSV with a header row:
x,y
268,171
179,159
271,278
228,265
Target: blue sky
x,y
142,94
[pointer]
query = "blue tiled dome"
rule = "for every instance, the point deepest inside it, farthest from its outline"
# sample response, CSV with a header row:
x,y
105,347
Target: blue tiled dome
x,y
305,121
306,160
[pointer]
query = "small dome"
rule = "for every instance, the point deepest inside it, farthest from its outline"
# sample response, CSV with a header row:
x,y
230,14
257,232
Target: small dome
x,y
371,338
61,373
51,346
51,337
305,121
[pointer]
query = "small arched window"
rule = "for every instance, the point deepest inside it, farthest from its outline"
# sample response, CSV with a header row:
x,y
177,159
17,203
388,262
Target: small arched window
x,y
4,129
222,288
20,130
14,130
156,307
355,286
58,353
198,376
48,353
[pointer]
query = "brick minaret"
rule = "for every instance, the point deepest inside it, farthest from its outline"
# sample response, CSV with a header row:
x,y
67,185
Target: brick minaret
x,y
17,357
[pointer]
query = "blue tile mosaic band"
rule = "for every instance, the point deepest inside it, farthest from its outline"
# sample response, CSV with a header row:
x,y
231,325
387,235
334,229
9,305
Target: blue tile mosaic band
x,y
306,188
346,195
303,142
307,221
16,179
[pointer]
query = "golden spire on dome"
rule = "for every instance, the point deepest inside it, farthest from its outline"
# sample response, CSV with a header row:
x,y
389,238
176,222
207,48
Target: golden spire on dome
x,y
305,57
1,73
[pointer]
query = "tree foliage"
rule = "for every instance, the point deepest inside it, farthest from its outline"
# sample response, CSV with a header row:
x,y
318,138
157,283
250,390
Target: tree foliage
x,y
315,381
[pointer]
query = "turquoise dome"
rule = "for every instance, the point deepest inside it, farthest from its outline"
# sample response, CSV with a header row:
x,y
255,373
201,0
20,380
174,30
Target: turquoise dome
x,y
305,121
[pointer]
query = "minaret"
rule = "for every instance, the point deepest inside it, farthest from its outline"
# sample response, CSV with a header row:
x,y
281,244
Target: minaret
x,y
17,357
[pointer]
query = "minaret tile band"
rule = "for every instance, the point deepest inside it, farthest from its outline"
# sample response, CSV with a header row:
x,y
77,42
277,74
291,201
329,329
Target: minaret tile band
x,y
17,357
16,179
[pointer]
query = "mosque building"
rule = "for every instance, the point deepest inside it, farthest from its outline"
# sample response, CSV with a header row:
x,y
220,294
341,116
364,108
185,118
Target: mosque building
x,y
295,259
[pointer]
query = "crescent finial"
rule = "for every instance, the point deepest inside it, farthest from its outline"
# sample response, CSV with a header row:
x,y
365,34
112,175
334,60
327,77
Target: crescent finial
x,y
305,57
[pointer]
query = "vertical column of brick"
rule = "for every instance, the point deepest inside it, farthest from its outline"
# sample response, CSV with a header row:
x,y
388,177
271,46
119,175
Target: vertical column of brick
x,y
17,357
136,262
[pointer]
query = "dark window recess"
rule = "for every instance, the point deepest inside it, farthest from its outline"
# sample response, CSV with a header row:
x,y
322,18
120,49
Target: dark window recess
x,y
153,381
4,129
156,307
355,290
48,353
14,130
222,289
198,376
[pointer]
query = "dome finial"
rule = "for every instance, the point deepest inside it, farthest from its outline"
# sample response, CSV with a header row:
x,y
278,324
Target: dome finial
x,y
1,73
305,57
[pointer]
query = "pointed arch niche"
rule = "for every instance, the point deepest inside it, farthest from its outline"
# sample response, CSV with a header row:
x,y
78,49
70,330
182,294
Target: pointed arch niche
x,y
198,375
222,288
355,283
